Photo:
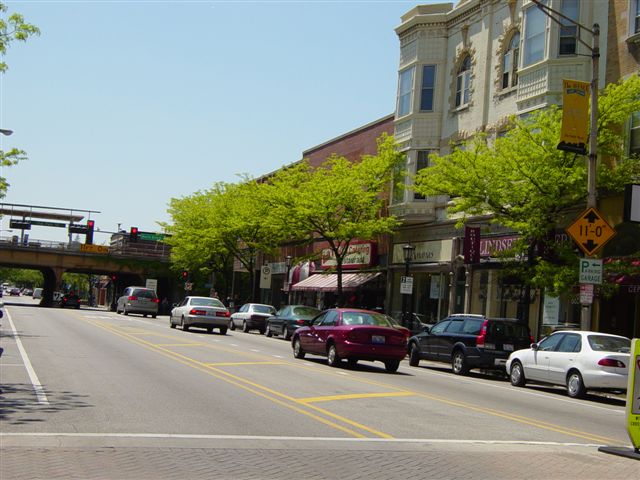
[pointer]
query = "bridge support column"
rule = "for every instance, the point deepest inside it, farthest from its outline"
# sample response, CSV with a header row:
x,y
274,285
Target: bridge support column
x,y
52,280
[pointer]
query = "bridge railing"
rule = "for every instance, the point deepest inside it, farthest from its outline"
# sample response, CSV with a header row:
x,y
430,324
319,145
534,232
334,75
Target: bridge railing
x,y
157,251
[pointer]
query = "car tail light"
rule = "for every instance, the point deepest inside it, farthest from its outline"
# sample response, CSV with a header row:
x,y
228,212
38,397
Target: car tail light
x,y
611,362
483,333
156,300
195,311
64,299
301,322
223,314
131,297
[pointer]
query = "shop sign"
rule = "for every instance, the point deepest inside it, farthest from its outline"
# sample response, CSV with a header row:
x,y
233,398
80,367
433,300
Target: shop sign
x,y
490,246
551,310
590,270
471,245
586,293
358,255
425,252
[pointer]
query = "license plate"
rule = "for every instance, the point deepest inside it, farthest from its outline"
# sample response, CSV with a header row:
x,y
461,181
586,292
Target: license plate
x,y
500,362
378,339
508,347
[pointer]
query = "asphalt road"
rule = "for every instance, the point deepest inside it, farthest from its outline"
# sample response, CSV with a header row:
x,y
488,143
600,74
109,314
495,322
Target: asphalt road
x,y
93,394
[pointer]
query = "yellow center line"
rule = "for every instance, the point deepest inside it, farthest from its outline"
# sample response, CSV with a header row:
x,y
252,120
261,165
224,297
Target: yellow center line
x,y
231,364
179,344
352,396
485,410
249,386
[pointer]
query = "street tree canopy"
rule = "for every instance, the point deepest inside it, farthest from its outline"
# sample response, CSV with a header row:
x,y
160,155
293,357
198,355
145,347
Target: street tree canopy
x,y
529,186
338,202
12,28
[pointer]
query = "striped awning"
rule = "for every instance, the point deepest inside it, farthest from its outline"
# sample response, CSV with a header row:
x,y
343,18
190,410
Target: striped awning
x,y
328,282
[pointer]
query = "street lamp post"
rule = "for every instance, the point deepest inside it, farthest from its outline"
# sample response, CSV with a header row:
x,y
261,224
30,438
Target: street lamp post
x,y
407,252
287,260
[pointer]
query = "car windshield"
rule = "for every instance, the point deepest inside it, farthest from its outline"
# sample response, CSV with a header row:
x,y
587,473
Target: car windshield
x,y
206,302
605,343
364,318
144,293
264,309
306,313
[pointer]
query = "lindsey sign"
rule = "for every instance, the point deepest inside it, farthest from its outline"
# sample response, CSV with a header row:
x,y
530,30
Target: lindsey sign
x,y
358,255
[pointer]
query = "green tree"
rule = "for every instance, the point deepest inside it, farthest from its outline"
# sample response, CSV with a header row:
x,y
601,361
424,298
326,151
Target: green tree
x,y
526,184
12,28
339,202
22,277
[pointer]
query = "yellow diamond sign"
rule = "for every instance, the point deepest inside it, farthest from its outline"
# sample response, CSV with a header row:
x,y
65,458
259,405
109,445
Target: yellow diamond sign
x,y
590,231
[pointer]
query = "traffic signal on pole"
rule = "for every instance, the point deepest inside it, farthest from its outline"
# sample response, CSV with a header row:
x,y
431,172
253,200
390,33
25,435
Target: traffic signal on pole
x,y
114,277
133,234
185,275
89,237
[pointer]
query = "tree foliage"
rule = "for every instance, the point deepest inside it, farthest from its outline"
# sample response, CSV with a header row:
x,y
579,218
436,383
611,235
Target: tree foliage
x,y
527,185
12,28
338,202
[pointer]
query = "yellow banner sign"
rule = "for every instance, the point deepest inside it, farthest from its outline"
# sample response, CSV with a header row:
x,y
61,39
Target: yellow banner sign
x,y
90,248
574,134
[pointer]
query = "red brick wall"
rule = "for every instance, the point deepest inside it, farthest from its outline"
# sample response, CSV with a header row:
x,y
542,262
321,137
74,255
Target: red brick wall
x,y
622,59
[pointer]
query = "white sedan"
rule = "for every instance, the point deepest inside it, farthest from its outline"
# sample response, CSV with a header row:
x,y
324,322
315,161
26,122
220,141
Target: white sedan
x,y
203,312
579,360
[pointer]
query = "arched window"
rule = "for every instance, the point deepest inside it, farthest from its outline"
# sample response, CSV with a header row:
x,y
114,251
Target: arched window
x,y
463,81
510,62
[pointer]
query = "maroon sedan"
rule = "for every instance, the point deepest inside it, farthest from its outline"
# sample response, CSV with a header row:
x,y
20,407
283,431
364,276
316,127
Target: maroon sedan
x,y
352,334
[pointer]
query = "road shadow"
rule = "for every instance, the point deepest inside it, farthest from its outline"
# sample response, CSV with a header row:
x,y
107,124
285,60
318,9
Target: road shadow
x,y
18,405
361,366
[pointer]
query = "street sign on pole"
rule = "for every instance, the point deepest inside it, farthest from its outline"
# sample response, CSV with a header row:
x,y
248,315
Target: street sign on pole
x,y
265,276
590,231
48,224
406,285
590,270
586,293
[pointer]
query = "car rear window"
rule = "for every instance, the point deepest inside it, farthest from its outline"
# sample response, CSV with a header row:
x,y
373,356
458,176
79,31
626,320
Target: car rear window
x,y
499,329
603,343
206,302
264,309
143,293
306,312
359,318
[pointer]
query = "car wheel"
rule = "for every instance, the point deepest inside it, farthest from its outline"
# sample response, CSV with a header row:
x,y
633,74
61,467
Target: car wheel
x,y
285,333
297,349
171,324
245,327
516,376
153,316
210,330
352,362
459,363
232,326
414,355
124,311
223,330
575,385
144,315
392,365
185,327
332,356
267,331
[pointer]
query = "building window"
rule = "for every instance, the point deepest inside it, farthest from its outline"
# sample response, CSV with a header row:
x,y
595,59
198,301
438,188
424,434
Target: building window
x,y
422,162
398,186
428,84
637,16
405,92
510,62
534,36
634,135
568,29
463,81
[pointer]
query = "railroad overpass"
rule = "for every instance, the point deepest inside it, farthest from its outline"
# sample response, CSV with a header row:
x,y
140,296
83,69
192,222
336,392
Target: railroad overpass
x,y
131,263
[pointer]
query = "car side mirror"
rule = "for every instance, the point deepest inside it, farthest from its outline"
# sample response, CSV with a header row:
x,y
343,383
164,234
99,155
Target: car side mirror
x,y
175,305
534,346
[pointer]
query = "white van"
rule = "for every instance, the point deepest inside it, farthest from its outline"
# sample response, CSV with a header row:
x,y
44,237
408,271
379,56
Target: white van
x,y
37,293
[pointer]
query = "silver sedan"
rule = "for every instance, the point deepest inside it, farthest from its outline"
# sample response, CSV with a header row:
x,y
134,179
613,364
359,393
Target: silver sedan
x,y
203,312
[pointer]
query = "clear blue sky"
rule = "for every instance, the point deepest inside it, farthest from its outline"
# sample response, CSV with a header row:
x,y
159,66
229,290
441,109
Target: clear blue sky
x,y
123,105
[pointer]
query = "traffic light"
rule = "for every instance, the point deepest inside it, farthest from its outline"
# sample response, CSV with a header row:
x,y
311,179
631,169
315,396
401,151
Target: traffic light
x,y
185,275
114,277
89,237
133,234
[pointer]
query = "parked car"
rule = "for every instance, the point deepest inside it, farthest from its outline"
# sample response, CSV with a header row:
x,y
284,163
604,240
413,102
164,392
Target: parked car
x,y
138,300
288,319
577,359
27,292
202,312
470,341
251,316
70,300
352,334
37,293
14,292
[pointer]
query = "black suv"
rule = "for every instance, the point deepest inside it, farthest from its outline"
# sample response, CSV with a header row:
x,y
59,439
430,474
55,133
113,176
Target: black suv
x,y
470,341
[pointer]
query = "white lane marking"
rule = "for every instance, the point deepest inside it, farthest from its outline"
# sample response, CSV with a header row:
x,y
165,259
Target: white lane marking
x,y
308,439
342,373
523,391
233,344
254,350
11,365
277,356
37,386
